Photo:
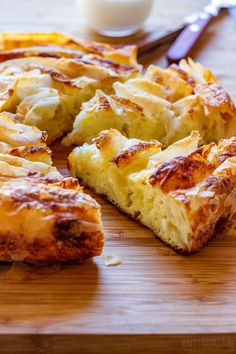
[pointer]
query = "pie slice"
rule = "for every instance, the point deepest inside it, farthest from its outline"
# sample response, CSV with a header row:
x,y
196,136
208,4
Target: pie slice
x,y
46,77
23,148
183,193
46,219
163,104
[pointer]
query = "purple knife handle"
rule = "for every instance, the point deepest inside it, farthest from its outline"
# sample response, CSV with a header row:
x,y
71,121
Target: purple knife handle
x,y
188,37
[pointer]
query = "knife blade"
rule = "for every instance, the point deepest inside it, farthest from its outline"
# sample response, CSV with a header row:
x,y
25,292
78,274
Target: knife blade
x,y
154,37
188,37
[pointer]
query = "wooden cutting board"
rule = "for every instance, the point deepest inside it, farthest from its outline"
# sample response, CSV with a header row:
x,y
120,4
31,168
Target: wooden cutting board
x,y
155,301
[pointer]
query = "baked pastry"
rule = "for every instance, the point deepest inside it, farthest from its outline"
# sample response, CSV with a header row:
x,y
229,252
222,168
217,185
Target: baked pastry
x,y
23,148
15,45
21,140
46,219
182,193
46,77
164,104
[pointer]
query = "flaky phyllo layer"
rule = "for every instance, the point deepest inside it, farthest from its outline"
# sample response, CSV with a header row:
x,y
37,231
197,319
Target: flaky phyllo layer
x,y
23,145
46,77
44,217
183,193
163,104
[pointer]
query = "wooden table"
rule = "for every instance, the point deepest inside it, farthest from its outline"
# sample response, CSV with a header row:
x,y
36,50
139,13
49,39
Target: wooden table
x,y
156,301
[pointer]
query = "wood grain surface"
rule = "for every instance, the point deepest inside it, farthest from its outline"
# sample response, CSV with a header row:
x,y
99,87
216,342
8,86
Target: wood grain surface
x,y
155,301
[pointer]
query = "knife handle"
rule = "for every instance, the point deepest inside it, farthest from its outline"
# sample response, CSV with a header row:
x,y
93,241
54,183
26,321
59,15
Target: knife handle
x,y
188,37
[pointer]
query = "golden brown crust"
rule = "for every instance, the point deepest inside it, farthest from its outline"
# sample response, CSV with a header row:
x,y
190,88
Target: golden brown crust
x,y
102,100
226,149
21,140
215,96
55,74
25,53
108,64
196,72
79,60
183,172
104,139
183,74
30,151
208,218
67,46
127,155
68,221
38,178
128,103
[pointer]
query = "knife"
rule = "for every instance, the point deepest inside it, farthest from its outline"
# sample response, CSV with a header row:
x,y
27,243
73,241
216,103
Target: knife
x,y
155,37
185,41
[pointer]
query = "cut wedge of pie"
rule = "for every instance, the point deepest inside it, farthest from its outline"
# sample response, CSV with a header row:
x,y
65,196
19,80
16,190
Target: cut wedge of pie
x,y
44,217
183,193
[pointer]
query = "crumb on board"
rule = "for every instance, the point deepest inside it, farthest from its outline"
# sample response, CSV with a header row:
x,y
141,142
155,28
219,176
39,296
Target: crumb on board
x,y
111,260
